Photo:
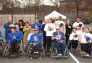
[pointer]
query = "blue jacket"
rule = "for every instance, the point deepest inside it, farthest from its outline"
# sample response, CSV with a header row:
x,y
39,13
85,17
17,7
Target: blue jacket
x,y
6,26
12,37
36,36
61,37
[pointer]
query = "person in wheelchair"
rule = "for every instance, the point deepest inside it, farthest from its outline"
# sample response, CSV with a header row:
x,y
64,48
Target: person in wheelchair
x,y
85,39
36,41
14,39
73,38
58,41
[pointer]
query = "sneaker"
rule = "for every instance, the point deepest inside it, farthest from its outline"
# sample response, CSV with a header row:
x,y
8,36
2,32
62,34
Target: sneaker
x,y
36,52
59,54
87,55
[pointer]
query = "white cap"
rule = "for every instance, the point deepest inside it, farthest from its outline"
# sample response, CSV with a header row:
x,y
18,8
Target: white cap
x,y
12,25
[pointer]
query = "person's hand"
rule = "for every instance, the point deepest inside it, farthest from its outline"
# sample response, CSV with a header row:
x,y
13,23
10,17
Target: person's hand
x,y
57,36
34,44
62,41
21,26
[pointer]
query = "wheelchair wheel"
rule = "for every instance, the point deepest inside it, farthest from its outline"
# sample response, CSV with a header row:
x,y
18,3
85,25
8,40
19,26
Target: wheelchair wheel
x,y
14,51
35,54
1,47
28,51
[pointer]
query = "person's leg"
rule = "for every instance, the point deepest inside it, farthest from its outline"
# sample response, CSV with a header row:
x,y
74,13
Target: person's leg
x,y
70,44
48,43
88,48
74,44
67,39
44,40
62,48
83,50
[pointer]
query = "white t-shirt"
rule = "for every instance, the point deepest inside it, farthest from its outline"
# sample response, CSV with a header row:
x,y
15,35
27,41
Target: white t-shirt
x,y
76,24
50,28
72,36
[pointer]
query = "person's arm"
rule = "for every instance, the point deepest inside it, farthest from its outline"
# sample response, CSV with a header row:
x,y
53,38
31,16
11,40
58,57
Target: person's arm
x,y
26,28
0,34
40,38
53,37
28,38
64,28
8,37
62,38
20,36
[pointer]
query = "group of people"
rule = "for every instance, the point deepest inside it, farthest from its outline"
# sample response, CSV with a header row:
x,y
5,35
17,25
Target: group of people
x,y
44,34
81,35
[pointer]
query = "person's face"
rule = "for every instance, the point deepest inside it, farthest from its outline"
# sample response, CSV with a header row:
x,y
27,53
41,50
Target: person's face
x,y
36,31
10,21
13,30
27,24
20,23
57,29
78,19
86,30
36,21
48,21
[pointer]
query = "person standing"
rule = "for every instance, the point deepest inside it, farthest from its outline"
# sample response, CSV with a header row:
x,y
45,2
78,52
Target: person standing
x,y
26,31
78,23
68,31
21,25
7,28
37,24
49,29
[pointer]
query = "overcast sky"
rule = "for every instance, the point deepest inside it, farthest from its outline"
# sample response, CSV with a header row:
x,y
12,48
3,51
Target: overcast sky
x,y
46,2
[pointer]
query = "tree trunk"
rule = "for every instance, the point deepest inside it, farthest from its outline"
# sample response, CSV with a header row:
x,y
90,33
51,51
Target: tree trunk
x,y
35,12
77,8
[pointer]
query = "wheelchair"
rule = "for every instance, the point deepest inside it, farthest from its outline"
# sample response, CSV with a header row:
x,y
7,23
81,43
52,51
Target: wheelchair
x,y
55,54
14,48
33,51
1,47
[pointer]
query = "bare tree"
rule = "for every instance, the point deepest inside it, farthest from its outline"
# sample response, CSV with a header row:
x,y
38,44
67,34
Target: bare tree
x,y
57,3
79,5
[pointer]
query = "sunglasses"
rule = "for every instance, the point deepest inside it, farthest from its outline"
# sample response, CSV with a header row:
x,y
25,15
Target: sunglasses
x,y
57,29
35,30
